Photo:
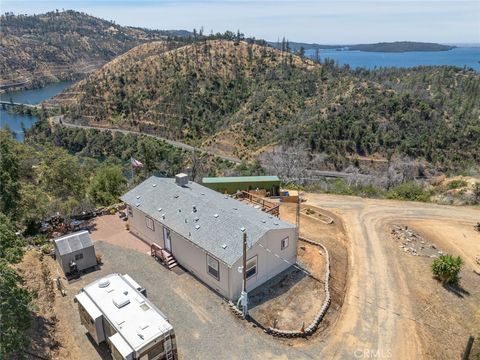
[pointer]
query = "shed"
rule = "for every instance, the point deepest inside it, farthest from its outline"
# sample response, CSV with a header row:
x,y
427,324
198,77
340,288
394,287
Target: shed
x,y
75,251
231,184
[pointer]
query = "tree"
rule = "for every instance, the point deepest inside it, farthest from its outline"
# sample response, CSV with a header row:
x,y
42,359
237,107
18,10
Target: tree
x,y
15,313
9,163
107,185
14,300
446,268
61,174
10,243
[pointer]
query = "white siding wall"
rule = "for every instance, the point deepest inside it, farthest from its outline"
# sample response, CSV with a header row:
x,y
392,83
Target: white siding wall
x,y
191,257
268,265
89,259
138,226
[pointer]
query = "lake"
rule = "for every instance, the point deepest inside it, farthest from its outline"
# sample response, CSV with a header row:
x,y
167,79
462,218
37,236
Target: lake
x,y
15,121
461,56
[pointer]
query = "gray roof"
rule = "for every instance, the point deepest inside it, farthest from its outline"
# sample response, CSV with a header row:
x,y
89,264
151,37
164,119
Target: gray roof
x,y
73,242
217,224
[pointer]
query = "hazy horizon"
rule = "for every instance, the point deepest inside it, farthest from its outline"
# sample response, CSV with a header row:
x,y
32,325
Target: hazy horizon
x,y
321,22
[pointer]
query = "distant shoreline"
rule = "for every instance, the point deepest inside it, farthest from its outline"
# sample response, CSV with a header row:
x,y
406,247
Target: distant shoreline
x,y
385,47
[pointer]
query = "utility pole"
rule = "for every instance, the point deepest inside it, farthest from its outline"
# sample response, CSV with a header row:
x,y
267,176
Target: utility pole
x,y
298,215
244,291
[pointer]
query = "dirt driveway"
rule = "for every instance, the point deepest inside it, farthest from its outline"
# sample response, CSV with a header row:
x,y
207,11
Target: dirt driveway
x,y
393,308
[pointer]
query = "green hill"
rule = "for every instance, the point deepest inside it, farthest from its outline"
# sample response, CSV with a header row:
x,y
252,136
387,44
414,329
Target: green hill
x,y
241,98
61,46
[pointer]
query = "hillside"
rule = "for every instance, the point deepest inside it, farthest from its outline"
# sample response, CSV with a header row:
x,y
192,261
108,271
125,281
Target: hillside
x,y
61,46
240,98
387,47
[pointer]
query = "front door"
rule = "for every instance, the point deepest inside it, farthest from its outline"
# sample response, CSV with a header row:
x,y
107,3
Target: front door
x,y
166,239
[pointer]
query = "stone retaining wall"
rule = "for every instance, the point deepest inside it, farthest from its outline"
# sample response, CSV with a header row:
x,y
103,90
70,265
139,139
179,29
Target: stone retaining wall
x,y
310,329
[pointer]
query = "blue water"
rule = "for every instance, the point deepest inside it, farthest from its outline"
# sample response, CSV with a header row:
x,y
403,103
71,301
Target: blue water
x,y
14,121
461,56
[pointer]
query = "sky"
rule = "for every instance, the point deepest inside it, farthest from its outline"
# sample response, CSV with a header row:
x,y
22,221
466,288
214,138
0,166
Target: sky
x,y
321,21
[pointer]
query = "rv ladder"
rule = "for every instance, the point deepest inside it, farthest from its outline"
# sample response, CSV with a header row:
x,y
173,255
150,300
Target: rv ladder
x,y
168,347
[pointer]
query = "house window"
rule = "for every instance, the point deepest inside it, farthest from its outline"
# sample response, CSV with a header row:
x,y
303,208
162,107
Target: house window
x,y
150,223
251,267
284,243
129,211
78,257
212,267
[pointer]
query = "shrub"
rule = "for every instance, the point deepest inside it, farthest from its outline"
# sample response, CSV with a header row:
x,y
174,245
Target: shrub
x,y
446,268
409,191
455,184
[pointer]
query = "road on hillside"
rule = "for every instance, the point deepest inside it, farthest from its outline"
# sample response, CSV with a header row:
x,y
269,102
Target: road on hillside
x,y
377,316
177,144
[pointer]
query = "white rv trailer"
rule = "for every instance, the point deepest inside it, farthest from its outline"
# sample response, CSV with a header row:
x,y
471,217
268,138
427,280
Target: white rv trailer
x,y
113,309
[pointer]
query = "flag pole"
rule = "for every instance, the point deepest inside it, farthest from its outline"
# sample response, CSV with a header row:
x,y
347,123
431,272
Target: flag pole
x,y
131,165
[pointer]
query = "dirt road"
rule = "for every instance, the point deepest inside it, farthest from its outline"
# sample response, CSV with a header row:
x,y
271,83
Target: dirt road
x,y
380,317
60,120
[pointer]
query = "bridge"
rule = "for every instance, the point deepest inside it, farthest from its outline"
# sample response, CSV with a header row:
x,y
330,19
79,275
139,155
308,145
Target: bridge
x,y
11,103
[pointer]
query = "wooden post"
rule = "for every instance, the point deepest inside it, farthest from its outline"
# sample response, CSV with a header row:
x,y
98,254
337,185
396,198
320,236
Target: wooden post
x,y
468,348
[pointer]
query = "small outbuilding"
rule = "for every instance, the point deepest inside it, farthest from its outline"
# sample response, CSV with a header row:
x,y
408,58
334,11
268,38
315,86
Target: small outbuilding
x,y
232,184
75,252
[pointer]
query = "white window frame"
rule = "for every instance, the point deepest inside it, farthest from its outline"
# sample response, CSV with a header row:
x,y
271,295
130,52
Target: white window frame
x,y
282,243
149,220
211,261
252,263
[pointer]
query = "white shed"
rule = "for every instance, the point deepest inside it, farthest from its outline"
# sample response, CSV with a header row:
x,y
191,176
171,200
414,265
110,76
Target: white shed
x,y
75,250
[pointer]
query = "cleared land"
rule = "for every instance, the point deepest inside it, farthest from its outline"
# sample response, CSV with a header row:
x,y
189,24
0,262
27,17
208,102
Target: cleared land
x,y
391,304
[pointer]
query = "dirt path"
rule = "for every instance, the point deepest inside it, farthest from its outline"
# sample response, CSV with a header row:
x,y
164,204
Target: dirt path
x,y
380,310
177,144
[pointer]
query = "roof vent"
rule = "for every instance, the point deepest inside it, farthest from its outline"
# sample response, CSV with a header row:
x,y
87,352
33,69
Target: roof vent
x,y
154,185
181,179
194,208
243,229
137,204
196,218
235,208
215,216
264,221
159,209
224,246
104,283
197,226
121,301
138,196
163,216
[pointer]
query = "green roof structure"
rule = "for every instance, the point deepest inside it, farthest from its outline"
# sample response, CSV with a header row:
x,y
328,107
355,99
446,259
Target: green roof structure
x,y
232,184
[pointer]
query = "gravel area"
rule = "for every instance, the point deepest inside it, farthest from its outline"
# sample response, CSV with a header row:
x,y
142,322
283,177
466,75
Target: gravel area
x,y
111,229
204,326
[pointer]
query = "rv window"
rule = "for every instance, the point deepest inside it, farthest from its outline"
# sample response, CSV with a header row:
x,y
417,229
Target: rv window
x,y
252,267
212,267
284,243
150,223
79,256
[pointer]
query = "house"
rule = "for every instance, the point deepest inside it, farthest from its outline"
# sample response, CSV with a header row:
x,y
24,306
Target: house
x,y
113,309
204,229
75,252
232,184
